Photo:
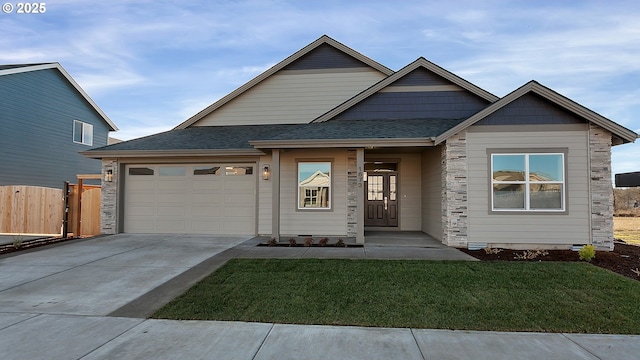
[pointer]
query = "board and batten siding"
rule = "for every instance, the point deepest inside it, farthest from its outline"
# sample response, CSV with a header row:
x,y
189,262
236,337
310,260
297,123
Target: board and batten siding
x,y
432,192
292,97
36,142
562,229
313,222
409,188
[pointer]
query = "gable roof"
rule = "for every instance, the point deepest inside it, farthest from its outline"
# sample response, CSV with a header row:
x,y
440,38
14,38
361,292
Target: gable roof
x,y
419,63
324,39
623,134
22,68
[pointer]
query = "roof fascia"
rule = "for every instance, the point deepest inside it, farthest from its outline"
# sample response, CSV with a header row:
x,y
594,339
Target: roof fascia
x,y
64,73
558,99
342,143
420,62
324,39
99,154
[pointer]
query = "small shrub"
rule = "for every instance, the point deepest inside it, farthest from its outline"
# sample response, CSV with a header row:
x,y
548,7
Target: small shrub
x,y
531,254
340,243
292,242
273,242
308,241
17,241
489,250
587,253
324,241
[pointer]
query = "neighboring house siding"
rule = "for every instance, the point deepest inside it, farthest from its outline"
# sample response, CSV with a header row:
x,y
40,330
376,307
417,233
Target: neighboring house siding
x,y
313,222
532,229
415,105
292,97
530,109
36,142
432,192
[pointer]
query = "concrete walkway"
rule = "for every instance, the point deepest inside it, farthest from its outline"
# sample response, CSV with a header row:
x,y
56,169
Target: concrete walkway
x,y
54,301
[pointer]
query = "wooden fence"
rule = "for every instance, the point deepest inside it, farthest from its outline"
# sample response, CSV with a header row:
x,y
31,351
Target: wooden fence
x,y
35,210
30,210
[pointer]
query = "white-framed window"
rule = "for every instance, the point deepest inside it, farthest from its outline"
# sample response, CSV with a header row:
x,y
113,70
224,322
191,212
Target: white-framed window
x,y
528,182
82,133
314,185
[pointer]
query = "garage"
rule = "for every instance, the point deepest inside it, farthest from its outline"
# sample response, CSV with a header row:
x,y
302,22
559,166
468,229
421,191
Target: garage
x,y
190,199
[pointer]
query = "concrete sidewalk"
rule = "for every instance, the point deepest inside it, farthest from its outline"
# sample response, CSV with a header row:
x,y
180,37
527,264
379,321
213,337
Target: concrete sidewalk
x,y
28,336
54,301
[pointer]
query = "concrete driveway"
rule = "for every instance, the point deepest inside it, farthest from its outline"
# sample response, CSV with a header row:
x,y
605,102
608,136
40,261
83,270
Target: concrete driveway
x,y
99,275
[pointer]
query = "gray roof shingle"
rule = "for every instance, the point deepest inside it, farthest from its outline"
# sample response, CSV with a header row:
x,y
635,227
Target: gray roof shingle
x,y
238,137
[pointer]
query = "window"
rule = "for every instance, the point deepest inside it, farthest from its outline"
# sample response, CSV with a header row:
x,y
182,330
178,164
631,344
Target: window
x,y
528,182
82,133
206,170
238,170
314,185
172,171
144,171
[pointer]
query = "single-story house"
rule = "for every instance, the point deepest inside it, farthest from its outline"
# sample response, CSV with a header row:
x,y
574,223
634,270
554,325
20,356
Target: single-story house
x,y
328,142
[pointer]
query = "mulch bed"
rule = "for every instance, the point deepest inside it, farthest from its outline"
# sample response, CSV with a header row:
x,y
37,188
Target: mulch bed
x,y
30,244
624,258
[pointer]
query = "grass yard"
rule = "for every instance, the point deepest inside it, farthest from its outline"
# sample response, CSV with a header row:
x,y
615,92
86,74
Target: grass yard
x,y
502,296
627,229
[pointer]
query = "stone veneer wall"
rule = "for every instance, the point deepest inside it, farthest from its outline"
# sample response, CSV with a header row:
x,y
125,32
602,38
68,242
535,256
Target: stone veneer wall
x,y
454,191
109,196
352,193
601,188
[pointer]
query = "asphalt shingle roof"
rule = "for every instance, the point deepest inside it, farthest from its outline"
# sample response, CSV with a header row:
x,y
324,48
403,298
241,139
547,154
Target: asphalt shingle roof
x,y
238,137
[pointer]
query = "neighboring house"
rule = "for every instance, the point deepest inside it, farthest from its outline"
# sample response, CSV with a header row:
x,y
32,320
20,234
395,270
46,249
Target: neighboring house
x,y
46,120
419,149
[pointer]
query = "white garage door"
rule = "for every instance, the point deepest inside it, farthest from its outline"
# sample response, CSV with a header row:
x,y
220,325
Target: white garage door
x,y
190,199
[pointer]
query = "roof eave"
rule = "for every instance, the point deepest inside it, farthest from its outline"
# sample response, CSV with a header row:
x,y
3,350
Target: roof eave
x,y
272,70
56,65
420,62
617,130
342,143
100,154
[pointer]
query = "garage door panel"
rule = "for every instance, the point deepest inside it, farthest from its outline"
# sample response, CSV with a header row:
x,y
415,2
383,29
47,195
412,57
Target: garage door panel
x,y
172,184
207,185
187,203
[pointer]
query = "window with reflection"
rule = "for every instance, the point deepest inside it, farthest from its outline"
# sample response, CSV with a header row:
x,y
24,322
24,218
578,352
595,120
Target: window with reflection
x,y
528,182
314,185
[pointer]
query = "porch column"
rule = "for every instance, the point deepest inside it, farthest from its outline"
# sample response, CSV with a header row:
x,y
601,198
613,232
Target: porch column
x,y
360,197
275,193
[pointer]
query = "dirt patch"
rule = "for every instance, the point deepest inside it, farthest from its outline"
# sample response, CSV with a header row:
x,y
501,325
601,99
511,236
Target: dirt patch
x,y
624,259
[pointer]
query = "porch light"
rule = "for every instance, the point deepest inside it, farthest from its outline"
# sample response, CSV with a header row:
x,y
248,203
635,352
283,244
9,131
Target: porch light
x,y
108,175
266,172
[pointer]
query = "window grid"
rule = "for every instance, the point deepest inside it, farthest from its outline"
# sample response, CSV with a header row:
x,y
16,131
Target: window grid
x,y
527,183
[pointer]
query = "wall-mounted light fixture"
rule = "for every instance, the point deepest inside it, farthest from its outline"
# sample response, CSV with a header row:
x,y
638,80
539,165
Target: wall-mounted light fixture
x,y
108,175
266,172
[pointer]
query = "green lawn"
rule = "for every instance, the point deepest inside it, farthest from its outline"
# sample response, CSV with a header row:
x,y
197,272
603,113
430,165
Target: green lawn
x,y
502,296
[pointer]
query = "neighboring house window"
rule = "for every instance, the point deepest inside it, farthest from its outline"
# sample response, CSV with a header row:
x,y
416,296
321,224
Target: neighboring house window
x,y
528,182
82,133
314,185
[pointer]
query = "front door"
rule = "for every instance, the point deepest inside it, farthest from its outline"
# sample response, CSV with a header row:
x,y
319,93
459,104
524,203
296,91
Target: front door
x,y
382,199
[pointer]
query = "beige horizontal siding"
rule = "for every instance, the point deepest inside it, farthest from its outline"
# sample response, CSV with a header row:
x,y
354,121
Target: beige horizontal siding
x,y
570,228
432,193
291,98
313,222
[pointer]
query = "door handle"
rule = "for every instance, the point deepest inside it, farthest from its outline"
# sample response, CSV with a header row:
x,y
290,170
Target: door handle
x,y
386,203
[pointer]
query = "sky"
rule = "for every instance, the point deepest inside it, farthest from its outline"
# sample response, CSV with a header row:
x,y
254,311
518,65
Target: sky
x,y
150,65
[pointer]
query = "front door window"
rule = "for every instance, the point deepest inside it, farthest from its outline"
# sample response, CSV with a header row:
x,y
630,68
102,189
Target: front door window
x,y
382,202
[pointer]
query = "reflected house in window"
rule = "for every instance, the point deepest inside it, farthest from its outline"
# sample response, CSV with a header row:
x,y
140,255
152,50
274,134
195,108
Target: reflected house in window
x,y
314,190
